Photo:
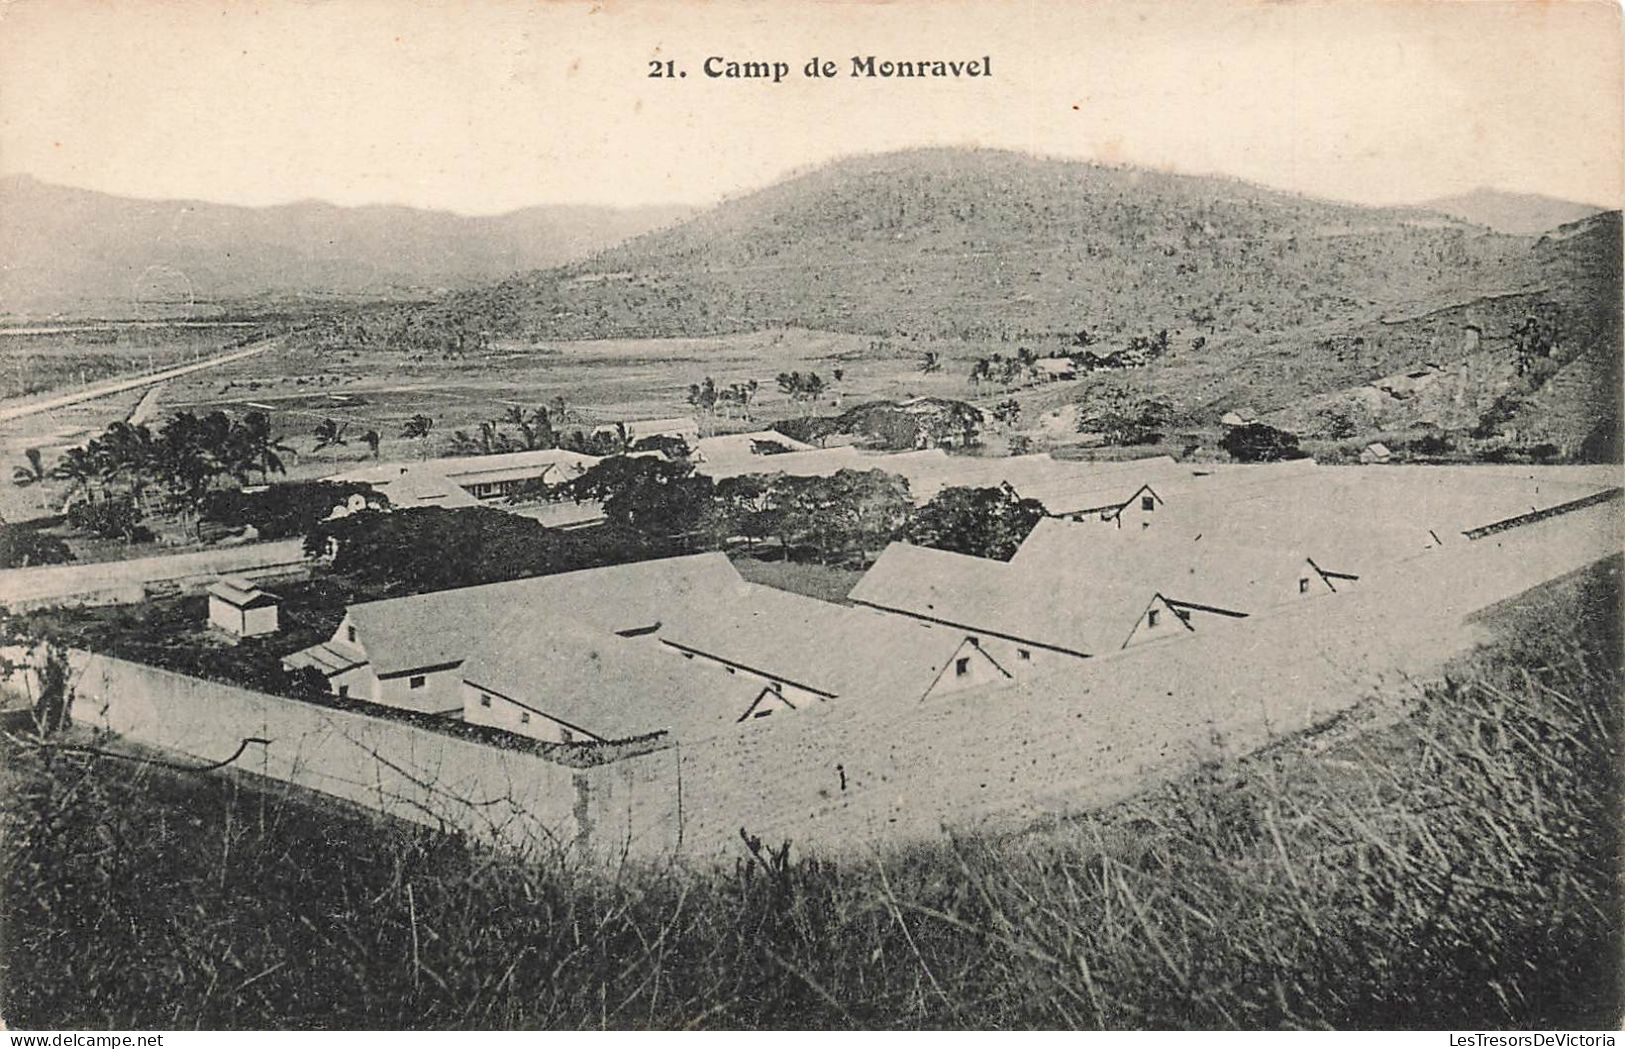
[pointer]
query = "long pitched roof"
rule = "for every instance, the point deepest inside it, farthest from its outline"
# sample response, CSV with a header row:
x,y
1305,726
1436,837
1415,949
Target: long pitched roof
x,y
612,687
439,482
1053,609
828,648
441,628
1191,570
819,462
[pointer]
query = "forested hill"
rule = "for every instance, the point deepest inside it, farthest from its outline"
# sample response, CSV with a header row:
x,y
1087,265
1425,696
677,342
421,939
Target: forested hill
x,y
78,251
985,243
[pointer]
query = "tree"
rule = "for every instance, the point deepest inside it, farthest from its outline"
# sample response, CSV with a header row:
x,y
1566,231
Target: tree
x,y
1007,411
417,428
1260,443
79,469
24,547
109,519
287,509
654,496
981,522
803,389
330,434
371,440
253,446
930,362
435,548
1122,418
702,396
33,473
535,428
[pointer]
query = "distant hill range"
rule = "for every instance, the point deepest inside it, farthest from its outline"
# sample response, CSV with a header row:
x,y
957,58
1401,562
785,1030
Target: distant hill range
x,y
1518,214
78,251
1271,300
985,243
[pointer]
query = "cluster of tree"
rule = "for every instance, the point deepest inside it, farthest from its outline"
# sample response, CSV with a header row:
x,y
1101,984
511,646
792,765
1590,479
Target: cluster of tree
x,y
22,546
534,430
804,389
928,422
834,520
450,337
1261,443
1005,371
435,548
280,511
1123,418
115,518
178,465
981,522
709,400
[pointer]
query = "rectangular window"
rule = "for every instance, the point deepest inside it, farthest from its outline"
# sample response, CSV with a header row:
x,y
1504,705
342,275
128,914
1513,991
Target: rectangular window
x,y
415,681
485,700
962,666
524,717
566,736
1152,616
1148,502
1024,655
349,633
1303,585
764,712
344,691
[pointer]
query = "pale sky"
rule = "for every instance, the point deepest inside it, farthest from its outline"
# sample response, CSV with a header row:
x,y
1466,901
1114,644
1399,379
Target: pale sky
x,y
484,107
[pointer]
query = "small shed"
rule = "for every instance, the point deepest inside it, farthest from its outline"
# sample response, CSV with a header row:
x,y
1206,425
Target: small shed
x,y
242,609
1376,452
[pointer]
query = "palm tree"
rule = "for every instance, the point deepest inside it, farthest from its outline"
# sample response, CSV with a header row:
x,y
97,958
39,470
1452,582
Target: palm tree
x,y
330,434
930,362
253,447
417,428
77,467
128,451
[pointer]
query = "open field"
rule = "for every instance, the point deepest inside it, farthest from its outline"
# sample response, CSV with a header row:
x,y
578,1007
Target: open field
x,y
57,358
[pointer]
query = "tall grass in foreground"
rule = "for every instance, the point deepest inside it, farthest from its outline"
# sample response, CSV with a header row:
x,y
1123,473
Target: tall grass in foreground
x,y
1457,868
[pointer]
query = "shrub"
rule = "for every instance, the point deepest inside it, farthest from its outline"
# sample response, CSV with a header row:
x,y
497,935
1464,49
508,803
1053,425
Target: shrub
x,y
22,547
109,519
1261,443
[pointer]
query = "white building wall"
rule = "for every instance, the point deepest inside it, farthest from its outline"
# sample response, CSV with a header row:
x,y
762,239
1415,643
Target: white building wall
x,y
440,691
481,707
259,621
1019,658
225,616
970,667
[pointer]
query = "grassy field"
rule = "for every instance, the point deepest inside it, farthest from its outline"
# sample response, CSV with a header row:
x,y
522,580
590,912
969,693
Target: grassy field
x,y
1452,865
33,360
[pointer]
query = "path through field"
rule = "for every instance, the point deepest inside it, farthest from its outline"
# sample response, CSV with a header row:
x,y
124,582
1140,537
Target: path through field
x,y
23,406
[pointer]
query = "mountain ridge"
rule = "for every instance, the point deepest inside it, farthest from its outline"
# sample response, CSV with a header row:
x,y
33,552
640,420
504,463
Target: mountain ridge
x,y
72,249
1517,214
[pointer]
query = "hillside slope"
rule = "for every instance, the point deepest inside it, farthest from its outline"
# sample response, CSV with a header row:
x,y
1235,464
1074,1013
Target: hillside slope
x,y
76,250
990,244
